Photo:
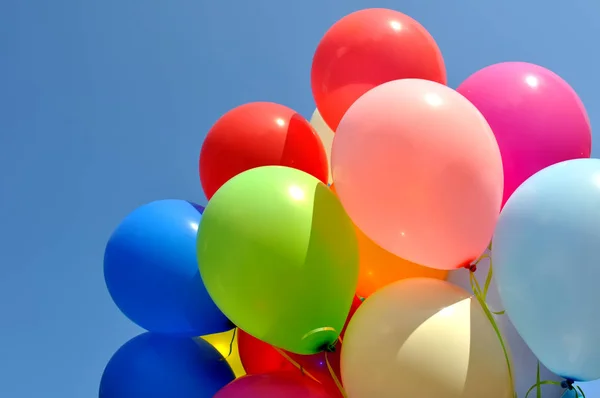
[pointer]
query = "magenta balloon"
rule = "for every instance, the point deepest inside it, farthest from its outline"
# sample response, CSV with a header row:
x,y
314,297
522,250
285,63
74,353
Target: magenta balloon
x,y
537,118
279,384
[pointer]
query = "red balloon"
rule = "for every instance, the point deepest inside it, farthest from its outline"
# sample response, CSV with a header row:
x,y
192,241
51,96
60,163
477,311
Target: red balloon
x,y
259,357
368,48
259,134
279,384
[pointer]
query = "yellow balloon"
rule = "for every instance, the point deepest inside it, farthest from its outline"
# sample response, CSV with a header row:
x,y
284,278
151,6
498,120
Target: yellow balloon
x,y
226,343
325,134
423,338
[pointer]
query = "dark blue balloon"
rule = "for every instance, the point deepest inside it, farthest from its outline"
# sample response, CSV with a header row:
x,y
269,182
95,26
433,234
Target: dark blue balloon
x,y
162,366
151,271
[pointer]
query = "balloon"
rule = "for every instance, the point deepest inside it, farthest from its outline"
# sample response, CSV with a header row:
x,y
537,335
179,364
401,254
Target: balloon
x,y
368,48
259,357
537,118
259,134
162,366
278,254
423,338
326,135
524,362
227,345
418,170
545,261
282,384
151,271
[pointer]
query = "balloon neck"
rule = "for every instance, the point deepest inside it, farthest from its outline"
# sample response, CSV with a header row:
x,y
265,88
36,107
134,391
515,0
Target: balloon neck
x,y
567,384
329,347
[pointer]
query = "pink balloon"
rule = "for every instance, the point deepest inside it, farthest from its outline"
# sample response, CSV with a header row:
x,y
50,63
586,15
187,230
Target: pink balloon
x,y
280,384
537,118
419,171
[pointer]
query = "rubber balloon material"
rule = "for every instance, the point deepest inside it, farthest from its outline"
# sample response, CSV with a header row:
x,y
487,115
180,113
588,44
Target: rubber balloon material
x,y
545,252
151,271
161,366
423,338
282,384
537,118
227,345
259,134
368,48
419,171
278,254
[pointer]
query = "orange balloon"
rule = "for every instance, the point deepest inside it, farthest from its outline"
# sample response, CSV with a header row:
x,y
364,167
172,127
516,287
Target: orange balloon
x,y
379,268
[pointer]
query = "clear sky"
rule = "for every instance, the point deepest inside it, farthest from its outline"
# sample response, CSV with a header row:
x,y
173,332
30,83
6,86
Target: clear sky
x,y
104,105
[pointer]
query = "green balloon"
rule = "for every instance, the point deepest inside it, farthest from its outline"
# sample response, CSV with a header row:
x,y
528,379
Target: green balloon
x,y
278,255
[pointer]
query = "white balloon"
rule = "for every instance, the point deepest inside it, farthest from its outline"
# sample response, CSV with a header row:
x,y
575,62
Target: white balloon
x,y
524,362
425,338
326,135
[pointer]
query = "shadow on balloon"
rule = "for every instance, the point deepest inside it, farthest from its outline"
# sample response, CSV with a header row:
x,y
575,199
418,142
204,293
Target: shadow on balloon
x,y
431,339
321,228
296,142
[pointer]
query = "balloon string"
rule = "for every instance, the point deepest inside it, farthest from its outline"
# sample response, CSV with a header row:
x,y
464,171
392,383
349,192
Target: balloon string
x,y
567,385
296,364
231,343
334,377
479,295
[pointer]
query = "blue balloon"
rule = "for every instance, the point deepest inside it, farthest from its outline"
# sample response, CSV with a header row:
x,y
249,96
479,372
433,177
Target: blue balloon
x,y
163,366
151,271
545,256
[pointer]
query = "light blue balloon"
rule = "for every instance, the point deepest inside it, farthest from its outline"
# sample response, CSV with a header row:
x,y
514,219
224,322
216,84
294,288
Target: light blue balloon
x,y
547,268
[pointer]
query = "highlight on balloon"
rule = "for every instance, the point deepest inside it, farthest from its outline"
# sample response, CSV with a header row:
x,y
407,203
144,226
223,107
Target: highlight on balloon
x,y
410,240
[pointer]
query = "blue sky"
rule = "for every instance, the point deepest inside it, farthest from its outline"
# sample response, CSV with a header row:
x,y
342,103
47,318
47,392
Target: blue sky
x,y
104,105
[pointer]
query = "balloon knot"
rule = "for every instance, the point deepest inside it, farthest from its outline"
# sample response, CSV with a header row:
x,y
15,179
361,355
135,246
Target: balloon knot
x,y
471,267
567,384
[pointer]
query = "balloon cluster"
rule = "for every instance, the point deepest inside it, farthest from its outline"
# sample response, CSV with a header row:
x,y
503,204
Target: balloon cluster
x,y
397,180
